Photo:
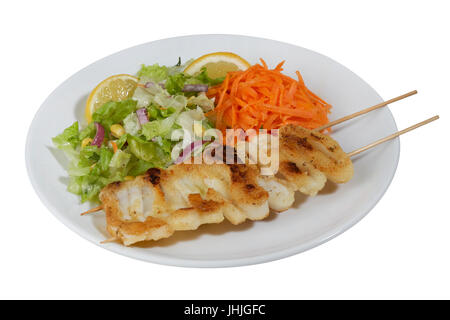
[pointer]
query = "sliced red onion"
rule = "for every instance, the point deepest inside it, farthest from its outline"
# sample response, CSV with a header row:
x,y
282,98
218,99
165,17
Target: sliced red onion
x,y
195,88
187,151
151,84
142,115
99,136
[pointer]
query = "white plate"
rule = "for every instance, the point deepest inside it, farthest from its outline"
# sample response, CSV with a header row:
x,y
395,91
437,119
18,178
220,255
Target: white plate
x,y
311,222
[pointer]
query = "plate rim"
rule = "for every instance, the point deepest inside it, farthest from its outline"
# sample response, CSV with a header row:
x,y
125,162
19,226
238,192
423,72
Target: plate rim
x,y
200,263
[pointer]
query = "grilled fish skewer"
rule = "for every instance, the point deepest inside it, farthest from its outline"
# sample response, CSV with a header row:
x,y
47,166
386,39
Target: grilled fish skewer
x,y
183,197
197,194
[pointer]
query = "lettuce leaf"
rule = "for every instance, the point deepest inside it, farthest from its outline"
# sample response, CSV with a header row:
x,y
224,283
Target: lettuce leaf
x,y
155,95
148,151
137,166
114,112
176,82
160,74
120,159
88,156
144,97
106,155
68,138
154,73
88,132
188,119
173,78
121,141
202,101
131,124
89,187
203,78
158,128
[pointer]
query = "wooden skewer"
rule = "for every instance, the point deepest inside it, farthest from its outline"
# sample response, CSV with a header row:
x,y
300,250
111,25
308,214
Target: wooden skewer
x,y
93,210
109,240
392,136
364,111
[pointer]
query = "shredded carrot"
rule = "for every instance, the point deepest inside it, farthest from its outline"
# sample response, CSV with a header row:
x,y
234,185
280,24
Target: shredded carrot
x,y
114,145
262,97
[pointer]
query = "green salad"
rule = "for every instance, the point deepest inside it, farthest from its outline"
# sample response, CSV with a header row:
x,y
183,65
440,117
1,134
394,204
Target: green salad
x,y
128,137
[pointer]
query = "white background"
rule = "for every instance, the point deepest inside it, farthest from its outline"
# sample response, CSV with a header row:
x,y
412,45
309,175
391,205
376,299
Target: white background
x,y
400,250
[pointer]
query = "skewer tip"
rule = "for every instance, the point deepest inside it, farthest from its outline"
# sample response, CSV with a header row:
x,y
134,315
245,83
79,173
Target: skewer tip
x,y
367,110
392,136
112,239
99,208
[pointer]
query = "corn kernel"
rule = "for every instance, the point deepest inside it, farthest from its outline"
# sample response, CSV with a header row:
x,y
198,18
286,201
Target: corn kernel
x,y
117,130
198,129
86,142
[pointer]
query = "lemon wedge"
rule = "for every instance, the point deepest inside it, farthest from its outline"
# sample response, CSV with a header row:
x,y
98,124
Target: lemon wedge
x,y
217,64
115,88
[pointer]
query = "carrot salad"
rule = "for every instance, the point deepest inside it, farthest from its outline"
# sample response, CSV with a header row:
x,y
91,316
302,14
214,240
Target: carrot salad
x,y
260,97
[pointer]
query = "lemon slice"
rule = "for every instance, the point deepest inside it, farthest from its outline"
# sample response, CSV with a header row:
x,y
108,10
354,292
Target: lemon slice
x,y
217,64
115,88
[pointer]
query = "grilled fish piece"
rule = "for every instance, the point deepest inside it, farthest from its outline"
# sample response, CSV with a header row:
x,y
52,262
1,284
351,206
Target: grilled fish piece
x,y
120,201
298,144
301,175
246,194
306,158
281,193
